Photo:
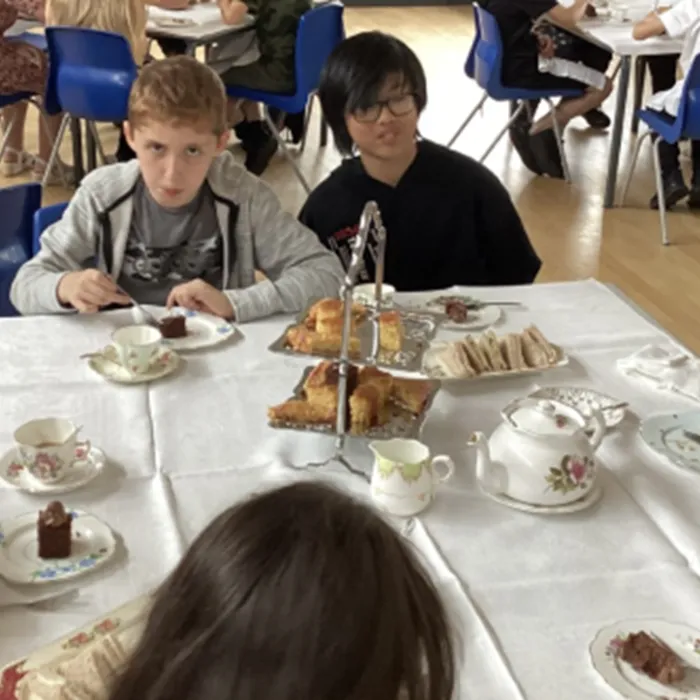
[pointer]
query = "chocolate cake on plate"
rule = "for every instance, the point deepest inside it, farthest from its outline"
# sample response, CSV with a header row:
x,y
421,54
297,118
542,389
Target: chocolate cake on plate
x,y
173,327
649,655
54,532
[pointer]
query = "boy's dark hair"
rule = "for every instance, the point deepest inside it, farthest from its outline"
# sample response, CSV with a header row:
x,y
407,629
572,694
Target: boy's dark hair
x,y
356,71
301,593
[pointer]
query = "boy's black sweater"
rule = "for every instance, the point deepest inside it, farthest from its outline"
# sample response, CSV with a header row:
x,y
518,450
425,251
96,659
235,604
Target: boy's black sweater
x,y
449,221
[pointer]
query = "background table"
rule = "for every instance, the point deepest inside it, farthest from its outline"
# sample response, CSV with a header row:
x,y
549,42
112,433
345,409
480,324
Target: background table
x,y
527,593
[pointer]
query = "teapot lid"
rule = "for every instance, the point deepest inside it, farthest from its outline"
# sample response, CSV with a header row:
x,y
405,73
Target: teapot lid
x,y
542,417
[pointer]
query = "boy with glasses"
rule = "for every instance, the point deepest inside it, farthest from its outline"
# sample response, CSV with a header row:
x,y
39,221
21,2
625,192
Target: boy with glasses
x,y
449,220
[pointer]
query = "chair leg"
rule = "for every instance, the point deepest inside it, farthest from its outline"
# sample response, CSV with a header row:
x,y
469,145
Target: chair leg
x,y
560,142
54,151
471,116
95,135
285,151
640,70
513,117
660,190
633,165
307,121
7,128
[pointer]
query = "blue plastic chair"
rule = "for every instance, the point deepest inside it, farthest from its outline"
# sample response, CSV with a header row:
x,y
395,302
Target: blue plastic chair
x,y
39,41
320,30
483,64
662,126
18,205
90,77
43,218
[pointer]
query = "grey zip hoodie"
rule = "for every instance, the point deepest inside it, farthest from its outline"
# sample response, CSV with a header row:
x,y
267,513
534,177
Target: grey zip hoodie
x,y
257,234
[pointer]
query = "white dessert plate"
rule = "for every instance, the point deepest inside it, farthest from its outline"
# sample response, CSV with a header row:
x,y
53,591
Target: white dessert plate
x,y
93,545
590,499
479,318
172,22
203,330
432,369
86,467
682,639
106,363
585,401
671,435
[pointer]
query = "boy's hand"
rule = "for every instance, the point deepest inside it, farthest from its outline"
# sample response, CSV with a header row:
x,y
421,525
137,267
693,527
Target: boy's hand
x,y
89,290
546,45
198,295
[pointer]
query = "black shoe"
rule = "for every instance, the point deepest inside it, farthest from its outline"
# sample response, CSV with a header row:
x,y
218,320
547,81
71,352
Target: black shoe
x,y
674,191
597,119
260,151
544,146
246,133
694,198
295,124
520,138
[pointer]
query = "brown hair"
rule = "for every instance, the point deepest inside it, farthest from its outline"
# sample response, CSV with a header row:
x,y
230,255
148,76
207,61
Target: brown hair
x,y
179,90
300,593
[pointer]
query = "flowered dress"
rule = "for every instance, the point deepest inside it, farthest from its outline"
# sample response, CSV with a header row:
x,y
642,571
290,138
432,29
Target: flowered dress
x,y
22,67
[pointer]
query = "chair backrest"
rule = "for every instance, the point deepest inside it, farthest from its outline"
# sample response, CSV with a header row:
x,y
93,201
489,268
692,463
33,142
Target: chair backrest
x,y
689,109
43,218
90,73
488,52
469,65
320,31
18,205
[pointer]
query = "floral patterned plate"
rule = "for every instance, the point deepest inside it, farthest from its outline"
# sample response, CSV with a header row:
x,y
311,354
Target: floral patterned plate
x,y
477,318
203,330
93,544
85,468
620,676
666,434
590,499
584,400
106,364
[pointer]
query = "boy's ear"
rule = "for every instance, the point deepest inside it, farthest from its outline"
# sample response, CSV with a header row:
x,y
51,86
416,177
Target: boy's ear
x,y
129,135
222,142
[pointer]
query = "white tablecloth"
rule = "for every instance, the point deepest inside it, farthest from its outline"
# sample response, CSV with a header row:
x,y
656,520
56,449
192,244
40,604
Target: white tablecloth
x,y
529,593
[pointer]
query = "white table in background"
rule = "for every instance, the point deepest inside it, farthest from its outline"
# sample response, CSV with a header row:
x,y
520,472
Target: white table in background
x,y
617,37
529,593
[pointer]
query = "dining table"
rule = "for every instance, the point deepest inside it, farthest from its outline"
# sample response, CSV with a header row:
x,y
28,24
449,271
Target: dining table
x,y
526,593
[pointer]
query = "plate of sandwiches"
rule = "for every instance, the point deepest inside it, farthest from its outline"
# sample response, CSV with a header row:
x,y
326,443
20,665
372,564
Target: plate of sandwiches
x,y
490,355
402,337
379,404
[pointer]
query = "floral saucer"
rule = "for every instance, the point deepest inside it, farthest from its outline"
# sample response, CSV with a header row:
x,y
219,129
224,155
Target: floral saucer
x,y
87,465
590,499
682,639
106,363
93,545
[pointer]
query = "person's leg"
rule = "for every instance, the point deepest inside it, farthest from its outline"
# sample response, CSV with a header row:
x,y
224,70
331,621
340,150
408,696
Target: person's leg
x,y
14,160
663,71
124,152
674,185
172,47
694,200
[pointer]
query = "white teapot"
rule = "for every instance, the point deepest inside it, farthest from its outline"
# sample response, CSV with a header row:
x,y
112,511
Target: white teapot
x,y
540,454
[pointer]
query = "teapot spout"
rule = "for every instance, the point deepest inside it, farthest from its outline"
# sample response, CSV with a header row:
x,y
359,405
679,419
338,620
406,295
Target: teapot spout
x,y
483,457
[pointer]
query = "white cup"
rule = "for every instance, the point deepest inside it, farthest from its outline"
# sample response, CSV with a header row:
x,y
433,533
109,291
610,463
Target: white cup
x,y
404,477
366,294
137,347
47,447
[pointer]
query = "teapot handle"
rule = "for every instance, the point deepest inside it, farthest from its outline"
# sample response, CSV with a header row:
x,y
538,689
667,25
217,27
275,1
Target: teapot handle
x,y
599,428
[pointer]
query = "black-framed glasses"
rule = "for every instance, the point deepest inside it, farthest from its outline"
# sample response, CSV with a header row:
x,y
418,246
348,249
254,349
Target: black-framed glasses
x,y
399,106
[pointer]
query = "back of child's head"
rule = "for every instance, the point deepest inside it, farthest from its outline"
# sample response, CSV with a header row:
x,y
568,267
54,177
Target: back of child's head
x,y
300,593
126,17
356,72
181,91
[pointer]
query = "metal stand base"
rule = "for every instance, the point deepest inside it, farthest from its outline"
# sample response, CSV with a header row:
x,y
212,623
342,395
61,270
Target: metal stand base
x,y
336,457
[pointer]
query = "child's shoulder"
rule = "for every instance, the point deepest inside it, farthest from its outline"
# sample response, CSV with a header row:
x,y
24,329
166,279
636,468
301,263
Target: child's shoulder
x,y
110,183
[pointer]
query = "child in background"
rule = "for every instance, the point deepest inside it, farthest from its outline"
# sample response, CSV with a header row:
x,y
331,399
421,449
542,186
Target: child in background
x,y
682,20
297,593
276,24
181,225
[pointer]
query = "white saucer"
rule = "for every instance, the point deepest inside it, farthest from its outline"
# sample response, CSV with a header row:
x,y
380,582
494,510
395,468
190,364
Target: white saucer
x,y
81,472
93,544
203,330
106,364
484,317
590,499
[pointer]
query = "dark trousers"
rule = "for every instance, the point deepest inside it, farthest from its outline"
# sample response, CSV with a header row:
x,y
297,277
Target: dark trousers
x,y
663,77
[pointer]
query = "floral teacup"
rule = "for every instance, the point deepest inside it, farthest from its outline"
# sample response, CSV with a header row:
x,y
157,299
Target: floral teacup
x,y
137,347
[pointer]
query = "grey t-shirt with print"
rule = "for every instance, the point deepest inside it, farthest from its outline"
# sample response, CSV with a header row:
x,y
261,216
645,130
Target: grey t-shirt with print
x,y
167,247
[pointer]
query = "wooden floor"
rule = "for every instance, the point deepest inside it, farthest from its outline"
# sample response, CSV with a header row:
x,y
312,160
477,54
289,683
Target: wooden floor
x,y
575,237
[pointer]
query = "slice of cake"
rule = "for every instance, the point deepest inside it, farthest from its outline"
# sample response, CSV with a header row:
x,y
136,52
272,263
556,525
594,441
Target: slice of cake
x,y
54,532
649,655
390,331
173,327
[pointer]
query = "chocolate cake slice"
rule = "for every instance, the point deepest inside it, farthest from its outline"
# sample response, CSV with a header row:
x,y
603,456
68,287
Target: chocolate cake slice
x,y
54,532
649,655
173,327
